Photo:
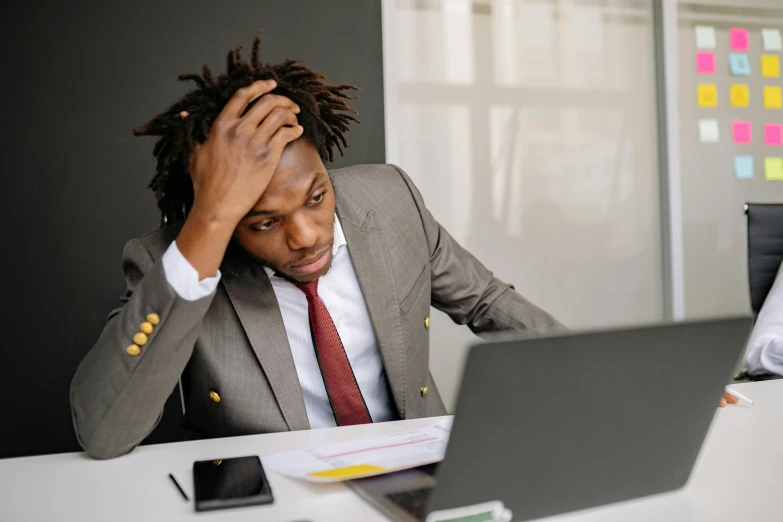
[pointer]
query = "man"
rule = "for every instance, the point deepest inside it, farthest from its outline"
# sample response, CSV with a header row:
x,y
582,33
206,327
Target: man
x,y
764,355
287,297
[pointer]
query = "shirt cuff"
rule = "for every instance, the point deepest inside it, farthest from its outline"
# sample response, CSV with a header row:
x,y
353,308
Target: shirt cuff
x,y
183,278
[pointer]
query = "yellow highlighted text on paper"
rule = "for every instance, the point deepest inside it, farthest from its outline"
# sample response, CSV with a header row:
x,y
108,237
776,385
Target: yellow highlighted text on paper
x,y
348,472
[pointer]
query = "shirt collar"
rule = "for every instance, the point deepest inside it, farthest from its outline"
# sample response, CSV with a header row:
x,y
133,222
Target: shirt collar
x,y
339,241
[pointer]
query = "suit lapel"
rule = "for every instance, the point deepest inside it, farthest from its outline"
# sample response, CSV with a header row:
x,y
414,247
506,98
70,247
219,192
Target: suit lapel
x,y
370,258
254,300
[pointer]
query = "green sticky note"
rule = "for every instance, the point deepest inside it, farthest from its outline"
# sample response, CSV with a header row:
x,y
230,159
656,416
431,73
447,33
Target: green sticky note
x,y
773,169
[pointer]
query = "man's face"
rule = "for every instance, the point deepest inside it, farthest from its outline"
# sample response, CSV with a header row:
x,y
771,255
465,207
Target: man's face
x,y
291,228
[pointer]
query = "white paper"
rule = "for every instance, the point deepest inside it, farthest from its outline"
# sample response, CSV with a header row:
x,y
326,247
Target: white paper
x,y
709,132
772,40
705,37
388,453
487,512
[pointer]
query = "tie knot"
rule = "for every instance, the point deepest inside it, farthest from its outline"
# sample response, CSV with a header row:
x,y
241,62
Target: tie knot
x,y
310,288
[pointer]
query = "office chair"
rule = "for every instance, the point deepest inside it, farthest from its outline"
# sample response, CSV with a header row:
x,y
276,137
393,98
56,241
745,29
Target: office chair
x,y
765,249
765,254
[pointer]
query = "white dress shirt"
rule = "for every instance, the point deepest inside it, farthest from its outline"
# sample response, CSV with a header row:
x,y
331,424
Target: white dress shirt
x,y
339,289
765,347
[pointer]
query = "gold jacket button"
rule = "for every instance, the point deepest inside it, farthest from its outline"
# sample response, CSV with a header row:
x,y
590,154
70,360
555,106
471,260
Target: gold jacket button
x,y
154,319
140,338
424,391
214,396
147,327
427,322
133,350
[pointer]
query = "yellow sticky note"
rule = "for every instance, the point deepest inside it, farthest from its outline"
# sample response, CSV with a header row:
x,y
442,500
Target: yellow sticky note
x,y
773,169
740,95
348,472
770,66
773,97
707,95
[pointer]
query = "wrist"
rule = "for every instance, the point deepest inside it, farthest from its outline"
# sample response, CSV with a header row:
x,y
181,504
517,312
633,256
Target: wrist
x,y
212,219
203,242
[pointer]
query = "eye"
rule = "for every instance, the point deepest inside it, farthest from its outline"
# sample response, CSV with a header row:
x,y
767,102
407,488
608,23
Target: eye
x,y
317,198
266,225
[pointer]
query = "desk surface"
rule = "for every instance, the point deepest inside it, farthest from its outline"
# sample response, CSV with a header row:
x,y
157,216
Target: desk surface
x,y
743,445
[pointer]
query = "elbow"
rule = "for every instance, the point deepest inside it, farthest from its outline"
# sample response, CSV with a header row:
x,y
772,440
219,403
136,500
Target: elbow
x,y
104,452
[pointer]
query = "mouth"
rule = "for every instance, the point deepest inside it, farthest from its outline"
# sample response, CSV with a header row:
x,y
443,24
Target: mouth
x,y
312,265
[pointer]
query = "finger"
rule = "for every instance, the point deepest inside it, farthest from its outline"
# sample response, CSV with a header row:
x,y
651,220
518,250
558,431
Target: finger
x,y
277,118
184,114
240,100
264,107
730,398
284,136
723,403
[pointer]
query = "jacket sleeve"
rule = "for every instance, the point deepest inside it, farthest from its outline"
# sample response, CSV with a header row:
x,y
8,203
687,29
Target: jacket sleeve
x,y
468,292
117,398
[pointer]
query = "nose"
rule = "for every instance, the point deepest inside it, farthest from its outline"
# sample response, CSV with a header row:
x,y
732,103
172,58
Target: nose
x,y
301,232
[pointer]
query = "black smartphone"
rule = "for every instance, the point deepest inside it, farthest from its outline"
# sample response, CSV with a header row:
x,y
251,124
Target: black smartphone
x,y
227,483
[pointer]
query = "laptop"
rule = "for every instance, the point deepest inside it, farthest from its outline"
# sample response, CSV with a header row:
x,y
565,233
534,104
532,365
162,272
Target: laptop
x,y
556,424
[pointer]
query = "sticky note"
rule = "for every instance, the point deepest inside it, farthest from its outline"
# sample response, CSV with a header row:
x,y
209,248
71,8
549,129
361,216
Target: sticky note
x,y
738,39
709,132
743,132
773,169
773,134
740,95
707,95
739,64
743,167
705,37
705,62
773,97
770,66
771,40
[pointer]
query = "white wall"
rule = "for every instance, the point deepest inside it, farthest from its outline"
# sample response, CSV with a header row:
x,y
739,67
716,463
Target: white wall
x,y
530,129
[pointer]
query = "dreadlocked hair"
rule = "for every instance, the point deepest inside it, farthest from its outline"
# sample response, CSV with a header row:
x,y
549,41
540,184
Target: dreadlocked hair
x,y
325,117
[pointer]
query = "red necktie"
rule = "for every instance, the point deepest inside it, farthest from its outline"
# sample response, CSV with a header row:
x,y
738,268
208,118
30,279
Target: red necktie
x,y
347,403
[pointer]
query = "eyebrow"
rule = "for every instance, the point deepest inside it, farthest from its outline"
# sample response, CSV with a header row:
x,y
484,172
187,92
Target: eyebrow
x,y
254,213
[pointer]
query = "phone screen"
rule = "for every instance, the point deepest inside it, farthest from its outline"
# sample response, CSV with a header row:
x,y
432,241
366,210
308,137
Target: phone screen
x,y
225,483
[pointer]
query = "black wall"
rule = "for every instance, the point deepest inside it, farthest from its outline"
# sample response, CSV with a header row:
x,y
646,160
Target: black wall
x,y
77,77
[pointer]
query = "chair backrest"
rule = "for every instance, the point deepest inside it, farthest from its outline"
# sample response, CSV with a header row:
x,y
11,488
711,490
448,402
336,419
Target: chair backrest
x,y
765,249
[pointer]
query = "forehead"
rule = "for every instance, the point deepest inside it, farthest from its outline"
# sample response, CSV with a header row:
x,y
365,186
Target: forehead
x,y
298,167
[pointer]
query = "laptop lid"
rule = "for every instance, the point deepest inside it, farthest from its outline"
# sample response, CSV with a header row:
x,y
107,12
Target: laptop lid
x,y
556,424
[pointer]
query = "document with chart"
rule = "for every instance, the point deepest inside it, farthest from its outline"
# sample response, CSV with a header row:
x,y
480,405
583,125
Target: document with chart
x,y
364,458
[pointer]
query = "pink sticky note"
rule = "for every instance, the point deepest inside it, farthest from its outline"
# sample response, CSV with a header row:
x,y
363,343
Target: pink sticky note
x,y
773,134
705,62
738,39
743,132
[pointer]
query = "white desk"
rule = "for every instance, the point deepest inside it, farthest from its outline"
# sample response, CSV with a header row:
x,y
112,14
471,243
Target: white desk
x,y
744,446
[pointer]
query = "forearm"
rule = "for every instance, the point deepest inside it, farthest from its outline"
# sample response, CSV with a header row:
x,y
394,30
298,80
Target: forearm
x,y
510,312
116,397
765,355
204,238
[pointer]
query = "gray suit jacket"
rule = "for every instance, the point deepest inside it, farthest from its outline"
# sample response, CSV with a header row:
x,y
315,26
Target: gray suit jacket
x,y
234,342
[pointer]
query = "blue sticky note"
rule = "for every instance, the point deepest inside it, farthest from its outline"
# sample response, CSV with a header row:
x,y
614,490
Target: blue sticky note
x,y
743,167
739,64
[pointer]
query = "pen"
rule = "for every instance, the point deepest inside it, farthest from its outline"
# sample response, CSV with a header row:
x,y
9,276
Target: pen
x,y
178,487
737,395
